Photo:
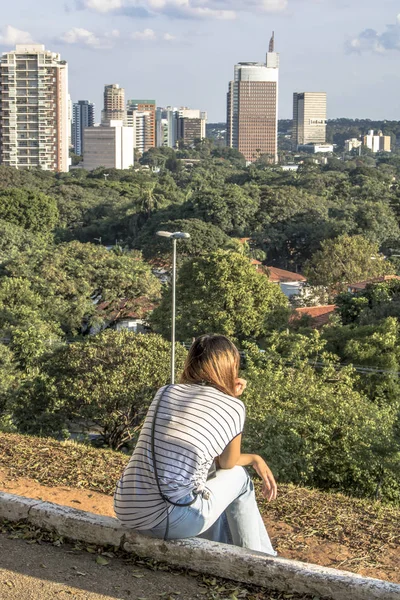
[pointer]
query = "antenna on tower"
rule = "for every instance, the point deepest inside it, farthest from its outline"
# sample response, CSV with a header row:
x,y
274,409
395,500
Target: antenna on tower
x,y
272,43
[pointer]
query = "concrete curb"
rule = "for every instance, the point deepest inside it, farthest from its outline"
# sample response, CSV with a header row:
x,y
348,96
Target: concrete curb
x,y
220,560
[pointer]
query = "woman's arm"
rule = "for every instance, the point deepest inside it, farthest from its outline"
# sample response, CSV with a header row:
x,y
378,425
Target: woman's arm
x,y
232,457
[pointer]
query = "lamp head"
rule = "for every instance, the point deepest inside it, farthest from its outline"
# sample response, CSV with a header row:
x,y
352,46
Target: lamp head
x,y
177,235
180,235
165,234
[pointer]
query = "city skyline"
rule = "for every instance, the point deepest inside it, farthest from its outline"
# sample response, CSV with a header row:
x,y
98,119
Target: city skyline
x,y
181,52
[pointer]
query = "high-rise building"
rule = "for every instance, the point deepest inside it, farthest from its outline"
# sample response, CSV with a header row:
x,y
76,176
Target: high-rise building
x,y
252,108
377,142
149,107
82,117
191,126
166,126
114,104
109,146
309,118
141,123
69,121
34,120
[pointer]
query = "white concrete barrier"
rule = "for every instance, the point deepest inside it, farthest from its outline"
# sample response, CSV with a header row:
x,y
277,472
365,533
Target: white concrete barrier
x,y
220,560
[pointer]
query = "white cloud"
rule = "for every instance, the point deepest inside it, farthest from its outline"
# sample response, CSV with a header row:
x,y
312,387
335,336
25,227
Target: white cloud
x,y
83,37
191,9
103,6
11,36
371,40
168,37
146,34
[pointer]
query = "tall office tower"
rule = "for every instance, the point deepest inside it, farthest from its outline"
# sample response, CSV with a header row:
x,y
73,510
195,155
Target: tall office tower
x,y
146,106
114,104
191,125
252,108
309,118
34,109
82,117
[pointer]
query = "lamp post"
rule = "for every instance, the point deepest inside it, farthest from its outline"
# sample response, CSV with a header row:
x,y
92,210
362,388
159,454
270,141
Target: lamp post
x,y
178,235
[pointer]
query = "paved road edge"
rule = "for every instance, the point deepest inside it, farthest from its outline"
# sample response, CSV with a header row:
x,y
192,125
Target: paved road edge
x,y
200,555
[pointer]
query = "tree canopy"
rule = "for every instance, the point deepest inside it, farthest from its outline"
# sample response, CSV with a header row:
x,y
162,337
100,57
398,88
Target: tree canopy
x,y
222,292
346,260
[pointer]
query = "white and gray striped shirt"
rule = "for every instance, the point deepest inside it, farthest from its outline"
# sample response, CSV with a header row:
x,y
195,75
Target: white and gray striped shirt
x,y
194,424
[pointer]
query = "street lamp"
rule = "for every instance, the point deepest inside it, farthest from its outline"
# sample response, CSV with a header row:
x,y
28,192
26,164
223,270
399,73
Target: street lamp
x,y
178,235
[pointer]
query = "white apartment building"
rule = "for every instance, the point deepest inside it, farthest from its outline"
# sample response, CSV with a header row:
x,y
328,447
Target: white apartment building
x,y
352,144
141,123
377,143
109,146
34,109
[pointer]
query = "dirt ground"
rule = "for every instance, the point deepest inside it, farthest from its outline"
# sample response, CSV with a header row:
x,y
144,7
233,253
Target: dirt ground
x,y
46,572
288,542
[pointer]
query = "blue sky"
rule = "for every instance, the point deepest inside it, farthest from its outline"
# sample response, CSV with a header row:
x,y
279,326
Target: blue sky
x,y
182,52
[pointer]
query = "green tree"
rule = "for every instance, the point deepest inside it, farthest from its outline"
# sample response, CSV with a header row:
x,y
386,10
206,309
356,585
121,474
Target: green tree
x,y
31,210
374,347
222,292
26,323
232,208
71,279
204,238
107,381
345,260
15,240
314,428
8,377
378,301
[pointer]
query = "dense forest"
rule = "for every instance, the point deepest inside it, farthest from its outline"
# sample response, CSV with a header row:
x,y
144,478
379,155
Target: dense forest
x,y
322,406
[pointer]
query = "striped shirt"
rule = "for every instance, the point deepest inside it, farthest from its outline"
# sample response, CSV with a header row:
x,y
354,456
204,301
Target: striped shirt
x,y
194,424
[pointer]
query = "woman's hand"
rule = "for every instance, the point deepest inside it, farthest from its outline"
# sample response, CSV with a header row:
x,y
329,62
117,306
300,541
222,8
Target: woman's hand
x,y
269,488
240,386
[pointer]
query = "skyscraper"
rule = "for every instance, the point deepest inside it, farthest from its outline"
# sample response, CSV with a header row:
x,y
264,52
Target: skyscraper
x,y
252,108
114,104
309,118
148,107
191,125
166,126
34,109
141,123
82,117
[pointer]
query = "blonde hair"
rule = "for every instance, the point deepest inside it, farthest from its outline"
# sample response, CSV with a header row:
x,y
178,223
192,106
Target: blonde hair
x,y
215,360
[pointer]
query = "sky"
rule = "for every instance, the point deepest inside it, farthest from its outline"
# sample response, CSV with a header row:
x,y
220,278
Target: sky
x,y
182,52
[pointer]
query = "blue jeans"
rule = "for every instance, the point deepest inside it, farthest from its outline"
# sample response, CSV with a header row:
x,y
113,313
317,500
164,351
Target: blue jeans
x,y
226,512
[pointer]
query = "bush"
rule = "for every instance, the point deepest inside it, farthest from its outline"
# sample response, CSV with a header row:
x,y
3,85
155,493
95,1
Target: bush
x,y
108,381
315,429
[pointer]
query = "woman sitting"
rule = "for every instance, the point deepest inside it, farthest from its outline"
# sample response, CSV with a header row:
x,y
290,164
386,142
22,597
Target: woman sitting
x,y
167,490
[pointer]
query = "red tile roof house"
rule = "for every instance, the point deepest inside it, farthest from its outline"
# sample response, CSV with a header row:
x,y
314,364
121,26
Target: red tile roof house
x,y
126,313
359,287
290,283
319,315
